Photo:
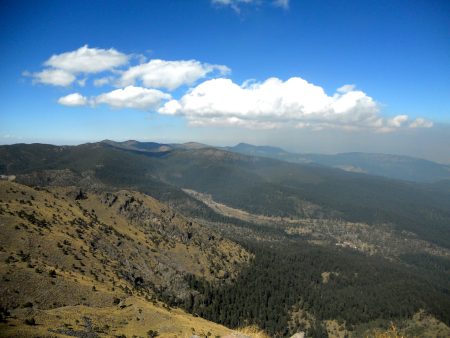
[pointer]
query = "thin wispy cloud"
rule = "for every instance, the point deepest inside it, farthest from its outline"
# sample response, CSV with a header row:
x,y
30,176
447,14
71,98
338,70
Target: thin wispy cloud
x,y
282,3
102,81
236,5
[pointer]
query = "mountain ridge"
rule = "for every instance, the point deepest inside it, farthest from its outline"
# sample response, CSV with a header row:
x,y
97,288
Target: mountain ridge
x,y
252,183
380,164
110,250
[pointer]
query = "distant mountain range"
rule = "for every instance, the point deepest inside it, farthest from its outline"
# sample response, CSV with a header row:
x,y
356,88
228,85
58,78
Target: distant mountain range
x,y
153,147
391,166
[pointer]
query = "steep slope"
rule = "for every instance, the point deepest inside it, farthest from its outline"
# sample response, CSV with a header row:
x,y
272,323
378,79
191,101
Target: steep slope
x,y
133,316
63,250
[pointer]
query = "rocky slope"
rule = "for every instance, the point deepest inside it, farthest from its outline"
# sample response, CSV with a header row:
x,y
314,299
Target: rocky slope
x,y
67,256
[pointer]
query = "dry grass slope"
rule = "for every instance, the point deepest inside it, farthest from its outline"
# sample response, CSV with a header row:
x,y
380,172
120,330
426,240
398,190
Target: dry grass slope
x,y
95,263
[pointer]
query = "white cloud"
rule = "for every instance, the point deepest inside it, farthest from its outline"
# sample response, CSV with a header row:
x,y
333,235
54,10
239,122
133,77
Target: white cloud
x,y
273,103
234,121
232,3
82,82
421,123
169,74
62,69
73,100
397,121
281,3
87,60
133,97
346,88
235,4
276,103
54,77
128,97
102,81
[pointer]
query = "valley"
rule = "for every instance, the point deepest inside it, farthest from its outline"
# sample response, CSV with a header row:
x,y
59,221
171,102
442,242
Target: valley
x,y
381,239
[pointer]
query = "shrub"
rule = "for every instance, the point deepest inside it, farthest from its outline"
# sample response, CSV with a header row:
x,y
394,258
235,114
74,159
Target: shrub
x,y
30,321
152,334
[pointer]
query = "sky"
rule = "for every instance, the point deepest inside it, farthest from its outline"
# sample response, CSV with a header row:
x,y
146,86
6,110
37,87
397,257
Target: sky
x,y
309,76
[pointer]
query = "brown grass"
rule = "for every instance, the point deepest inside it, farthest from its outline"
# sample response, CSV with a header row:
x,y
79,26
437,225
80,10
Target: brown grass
x,y
252,331
86,281
393,332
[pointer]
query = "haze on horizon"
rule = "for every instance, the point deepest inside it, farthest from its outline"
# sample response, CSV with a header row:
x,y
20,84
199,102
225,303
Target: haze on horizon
x,y
308,77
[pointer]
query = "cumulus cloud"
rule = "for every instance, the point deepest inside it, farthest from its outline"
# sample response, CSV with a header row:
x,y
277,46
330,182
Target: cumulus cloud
x,y
54,77
269,104
73,100
169,74
276,103
128,97
133,97
62,69
87,60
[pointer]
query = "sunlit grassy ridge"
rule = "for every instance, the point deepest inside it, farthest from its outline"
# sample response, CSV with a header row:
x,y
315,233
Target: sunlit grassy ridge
x,y
68,258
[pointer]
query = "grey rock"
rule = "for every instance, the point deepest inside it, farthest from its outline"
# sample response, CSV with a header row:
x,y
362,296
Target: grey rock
x,y
299,335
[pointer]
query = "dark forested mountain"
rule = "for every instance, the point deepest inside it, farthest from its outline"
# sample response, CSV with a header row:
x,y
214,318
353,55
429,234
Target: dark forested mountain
x,y
330,249
255,184
391,166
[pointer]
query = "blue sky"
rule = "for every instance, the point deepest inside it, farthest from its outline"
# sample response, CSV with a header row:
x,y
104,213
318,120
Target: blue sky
x,y
325,76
